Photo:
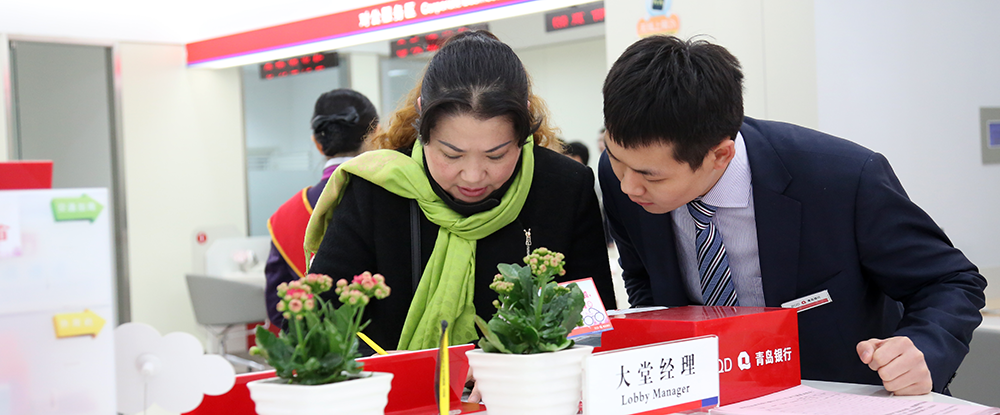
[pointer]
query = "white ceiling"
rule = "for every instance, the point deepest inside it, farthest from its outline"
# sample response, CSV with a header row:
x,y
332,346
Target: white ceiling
x,y
177,21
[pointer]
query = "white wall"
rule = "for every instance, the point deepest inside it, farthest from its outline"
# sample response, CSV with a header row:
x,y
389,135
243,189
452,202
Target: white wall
x,y
773,39
567,68
907,78
569,77
184,168
366,76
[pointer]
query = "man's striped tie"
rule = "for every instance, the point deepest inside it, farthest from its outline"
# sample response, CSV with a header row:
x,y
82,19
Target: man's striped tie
x,y
716,280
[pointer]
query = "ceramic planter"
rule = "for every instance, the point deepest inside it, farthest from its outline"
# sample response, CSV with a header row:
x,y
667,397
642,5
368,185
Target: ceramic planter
x,y
366,395
529,384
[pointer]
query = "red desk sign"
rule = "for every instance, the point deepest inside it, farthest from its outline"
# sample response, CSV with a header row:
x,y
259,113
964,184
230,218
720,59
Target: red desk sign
x,y
758,346
412,384
25,175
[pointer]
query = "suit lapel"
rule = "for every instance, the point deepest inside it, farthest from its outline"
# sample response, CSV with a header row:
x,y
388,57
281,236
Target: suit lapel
x,y
778,219
658,232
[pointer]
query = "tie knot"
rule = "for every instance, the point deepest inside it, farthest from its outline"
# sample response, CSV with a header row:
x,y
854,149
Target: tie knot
x,y
701,212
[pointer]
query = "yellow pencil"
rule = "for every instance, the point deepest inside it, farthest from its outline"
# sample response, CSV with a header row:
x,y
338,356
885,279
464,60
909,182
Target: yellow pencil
x,y
444,385
371,343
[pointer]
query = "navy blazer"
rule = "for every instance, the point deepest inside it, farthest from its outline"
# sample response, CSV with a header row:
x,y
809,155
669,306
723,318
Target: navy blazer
x,y
831,215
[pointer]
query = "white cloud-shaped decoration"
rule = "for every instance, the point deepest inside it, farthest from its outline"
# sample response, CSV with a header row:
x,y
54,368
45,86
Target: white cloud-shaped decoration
x,y
172,371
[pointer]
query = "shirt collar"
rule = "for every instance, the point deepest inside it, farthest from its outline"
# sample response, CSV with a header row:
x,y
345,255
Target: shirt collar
x,y
336,160
733,188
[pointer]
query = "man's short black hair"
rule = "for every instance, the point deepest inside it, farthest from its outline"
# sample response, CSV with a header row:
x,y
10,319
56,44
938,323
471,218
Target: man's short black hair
x,y
688,94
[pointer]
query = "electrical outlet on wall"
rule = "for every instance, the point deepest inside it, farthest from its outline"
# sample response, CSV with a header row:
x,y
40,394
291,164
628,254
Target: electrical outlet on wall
x,y
989,123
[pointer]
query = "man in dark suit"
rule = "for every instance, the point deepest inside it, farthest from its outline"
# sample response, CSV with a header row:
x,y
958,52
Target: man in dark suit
x,y
709,207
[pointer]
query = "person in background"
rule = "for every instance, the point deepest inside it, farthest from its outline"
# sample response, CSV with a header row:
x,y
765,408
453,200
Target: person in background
x,y
709,207
342,118
577,151
463,181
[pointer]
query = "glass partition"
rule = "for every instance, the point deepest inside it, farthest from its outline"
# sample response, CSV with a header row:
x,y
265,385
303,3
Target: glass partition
x,y
281,157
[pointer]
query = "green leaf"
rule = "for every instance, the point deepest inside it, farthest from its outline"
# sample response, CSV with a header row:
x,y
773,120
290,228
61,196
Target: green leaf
x,y
535,315
508,270
572,314
529,334
277,350
490,336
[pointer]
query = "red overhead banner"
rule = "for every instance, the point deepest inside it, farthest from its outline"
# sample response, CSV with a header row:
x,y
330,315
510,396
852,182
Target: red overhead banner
x,y
361,20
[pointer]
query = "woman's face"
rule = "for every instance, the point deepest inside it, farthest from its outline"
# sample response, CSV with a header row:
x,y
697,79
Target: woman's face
x,y
469,157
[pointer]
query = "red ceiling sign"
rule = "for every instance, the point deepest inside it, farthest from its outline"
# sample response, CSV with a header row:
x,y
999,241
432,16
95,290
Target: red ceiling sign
x,y
352,22
585,14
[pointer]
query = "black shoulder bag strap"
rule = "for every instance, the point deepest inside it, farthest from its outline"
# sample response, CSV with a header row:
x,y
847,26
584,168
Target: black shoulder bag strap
x,y
415,242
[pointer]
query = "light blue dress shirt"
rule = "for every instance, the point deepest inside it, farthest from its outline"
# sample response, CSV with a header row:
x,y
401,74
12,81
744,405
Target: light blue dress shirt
x,y
733,196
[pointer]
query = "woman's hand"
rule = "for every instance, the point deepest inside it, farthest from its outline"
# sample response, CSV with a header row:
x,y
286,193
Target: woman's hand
x,y
474,396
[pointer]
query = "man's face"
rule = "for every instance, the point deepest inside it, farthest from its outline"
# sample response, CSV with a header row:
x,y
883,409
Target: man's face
x,y
652,178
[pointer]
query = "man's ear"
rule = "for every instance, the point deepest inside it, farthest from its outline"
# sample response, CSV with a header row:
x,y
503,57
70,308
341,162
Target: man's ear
x,y
723,153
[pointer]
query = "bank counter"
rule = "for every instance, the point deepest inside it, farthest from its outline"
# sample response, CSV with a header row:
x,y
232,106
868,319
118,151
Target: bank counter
x,y
742,333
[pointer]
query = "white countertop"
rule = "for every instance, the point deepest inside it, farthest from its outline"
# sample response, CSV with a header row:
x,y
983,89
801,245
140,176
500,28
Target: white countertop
x,y
872,390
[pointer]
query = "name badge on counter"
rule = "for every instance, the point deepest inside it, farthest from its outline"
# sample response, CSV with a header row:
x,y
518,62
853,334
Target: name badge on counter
x,y
661,378
809,301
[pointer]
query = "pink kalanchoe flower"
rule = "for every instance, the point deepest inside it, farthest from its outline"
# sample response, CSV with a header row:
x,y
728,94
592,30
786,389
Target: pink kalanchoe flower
x,y
345,295
379,278
310,304
295,305
360,278
281,306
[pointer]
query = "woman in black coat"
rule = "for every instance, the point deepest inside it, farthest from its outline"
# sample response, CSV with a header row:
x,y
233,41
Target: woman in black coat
x,y
473,117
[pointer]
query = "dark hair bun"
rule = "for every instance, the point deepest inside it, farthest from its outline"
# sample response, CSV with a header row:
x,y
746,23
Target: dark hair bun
x,y
341,120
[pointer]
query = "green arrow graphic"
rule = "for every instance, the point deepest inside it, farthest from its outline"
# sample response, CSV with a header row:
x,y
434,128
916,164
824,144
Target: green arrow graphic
x,y
75,208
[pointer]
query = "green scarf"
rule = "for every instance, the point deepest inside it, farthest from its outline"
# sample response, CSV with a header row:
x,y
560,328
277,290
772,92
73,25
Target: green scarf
x,y
446,288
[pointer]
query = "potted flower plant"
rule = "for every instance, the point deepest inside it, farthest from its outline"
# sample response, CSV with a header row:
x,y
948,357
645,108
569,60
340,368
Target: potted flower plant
x,y
526,364
314,358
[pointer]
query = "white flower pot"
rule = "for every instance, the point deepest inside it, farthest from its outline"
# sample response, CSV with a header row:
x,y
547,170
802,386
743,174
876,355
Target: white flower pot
x,y
366,395
528,384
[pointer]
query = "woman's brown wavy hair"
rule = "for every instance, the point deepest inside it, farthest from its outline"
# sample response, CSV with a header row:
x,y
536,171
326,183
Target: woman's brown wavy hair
x,y
473,73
